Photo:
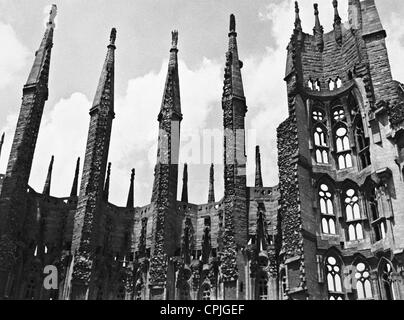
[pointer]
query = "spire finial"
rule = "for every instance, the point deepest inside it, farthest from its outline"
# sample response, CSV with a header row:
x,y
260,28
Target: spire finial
x,y
318,29
337,23
46,188
174,39
232,27
2,142
52,14
258,172
130,203
211,196
112,37
73,192
298,22
106,187
337,18
184,195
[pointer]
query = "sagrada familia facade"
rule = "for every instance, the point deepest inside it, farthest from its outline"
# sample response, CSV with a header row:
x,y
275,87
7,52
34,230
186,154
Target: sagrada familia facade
x,y
332,229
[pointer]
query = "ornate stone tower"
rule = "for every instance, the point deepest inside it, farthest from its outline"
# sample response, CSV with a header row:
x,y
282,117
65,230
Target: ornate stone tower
x,y
15,184
235,236
341,206
165,222
86,220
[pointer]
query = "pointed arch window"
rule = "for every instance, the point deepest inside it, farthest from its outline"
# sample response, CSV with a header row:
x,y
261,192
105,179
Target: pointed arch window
x,y
338,82
363,284
317,85
353,215
386,279
321,144
206,292
334,281
327,210
378,221
185,292
320,137
343,148
331,85
263,288
362,144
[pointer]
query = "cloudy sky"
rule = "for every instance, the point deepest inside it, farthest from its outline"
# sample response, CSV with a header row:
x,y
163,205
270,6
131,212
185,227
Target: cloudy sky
x,y
143,42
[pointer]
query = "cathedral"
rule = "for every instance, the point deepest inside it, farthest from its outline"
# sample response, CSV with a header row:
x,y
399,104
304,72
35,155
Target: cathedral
x,y
333,229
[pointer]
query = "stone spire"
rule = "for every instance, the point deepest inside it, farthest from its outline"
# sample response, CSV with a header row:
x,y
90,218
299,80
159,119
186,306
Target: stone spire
x,y
47,186
258,173
93,178
164,195
235,65
184,195
131,195
107,182
73,192
211,196
1,143
298,22
235,222
318,30
337,23
40,70
171,96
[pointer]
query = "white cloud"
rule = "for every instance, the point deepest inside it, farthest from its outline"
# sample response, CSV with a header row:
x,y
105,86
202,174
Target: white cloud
x,y
13,56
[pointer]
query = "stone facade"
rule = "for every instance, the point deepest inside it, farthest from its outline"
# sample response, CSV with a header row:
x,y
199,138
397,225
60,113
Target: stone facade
x,y
332,229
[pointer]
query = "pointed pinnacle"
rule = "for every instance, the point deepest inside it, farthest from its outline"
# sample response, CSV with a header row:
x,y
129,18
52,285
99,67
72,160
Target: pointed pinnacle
x,y
174,39
232,27
52,14
298,25
112,37
73,192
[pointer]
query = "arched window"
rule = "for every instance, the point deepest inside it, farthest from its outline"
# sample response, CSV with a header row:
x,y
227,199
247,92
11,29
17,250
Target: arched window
x,y
321,145
338,82
327,210
184,292
362,144
206,292
362,278
263,288
317,85
353,215
386,279
33,282
343,148
334,280
331,85
378,222
338,114
310,84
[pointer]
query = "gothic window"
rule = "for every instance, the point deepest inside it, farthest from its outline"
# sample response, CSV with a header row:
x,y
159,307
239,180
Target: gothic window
x,y
321,146
378,221
184,292
320,137
310,84
318,115
31,287
353,215
317,85
263,288
138,292
334,281
206,292
327,210
338,82
121,293
283,281
362,144
331,84
363,285
387,286
343,148
338,114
